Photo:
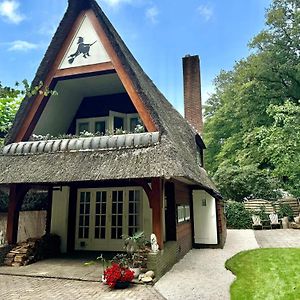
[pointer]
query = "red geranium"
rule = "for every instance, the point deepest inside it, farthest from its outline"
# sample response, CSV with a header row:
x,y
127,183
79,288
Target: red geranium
x,y
117,273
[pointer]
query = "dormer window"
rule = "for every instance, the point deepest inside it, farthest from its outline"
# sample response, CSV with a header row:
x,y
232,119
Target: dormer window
x,y
200,157
110,124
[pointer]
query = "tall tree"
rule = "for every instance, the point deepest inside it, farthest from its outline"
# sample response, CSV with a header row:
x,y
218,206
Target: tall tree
x,y
9,104
247,104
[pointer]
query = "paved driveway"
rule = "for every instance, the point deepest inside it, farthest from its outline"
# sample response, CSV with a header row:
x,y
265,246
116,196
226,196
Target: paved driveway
x,y
279,238
30,288
201,273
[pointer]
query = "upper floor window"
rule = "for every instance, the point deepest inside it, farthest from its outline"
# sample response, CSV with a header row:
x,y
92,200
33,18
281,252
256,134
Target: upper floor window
x,y
113,123
200,157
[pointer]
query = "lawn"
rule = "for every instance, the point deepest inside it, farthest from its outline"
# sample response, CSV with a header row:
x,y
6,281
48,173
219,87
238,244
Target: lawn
x,y
266,274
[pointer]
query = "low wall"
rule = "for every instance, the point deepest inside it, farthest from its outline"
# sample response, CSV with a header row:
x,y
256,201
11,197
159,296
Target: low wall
x,y
162,261
256,204
31,224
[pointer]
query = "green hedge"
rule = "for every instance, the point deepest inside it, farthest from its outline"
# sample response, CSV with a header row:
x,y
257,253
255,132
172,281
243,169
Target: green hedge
x,y
237,215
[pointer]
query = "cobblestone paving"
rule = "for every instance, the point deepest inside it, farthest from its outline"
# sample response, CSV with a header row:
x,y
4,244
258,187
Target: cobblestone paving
x,y
278,238
29,288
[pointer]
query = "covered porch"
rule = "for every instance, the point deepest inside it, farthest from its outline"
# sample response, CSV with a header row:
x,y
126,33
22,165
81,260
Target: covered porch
x,y
93,216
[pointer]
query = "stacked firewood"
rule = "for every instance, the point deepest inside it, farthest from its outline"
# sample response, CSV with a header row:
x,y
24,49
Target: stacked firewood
x,y
32,250
23,253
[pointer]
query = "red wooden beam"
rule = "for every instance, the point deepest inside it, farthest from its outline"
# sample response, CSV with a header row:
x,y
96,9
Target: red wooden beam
x,y
16,196
156,203
155,196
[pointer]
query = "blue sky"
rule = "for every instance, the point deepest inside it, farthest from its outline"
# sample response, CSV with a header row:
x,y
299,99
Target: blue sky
x,y
159,34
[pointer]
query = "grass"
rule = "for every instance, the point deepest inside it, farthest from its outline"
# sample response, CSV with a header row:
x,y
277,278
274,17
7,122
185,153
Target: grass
x,y
266,274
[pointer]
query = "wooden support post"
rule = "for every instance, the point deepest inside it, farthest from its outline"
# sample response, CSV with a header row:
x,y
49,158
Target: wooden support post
x,y
72,219
49,210
155,196
16,197
156,203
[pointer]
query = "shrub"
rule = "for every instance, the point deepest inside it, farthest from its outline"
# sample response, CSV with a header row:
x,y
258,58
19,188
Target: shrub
x,y
237,215
285,210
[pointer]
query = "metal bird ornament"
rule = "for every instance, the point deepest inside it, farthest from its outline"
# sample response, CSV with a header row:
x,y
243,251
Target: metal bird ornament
x,y
81,49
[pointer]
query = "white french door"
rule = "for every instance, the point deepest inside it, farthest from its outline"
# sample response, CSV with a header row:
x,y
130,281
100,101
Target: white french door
x,y
104,215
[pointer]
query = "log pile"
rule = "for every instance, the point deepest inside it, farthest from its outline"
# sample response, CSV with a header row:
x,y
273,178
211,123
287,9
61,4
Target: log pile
x,y
32,250
23,253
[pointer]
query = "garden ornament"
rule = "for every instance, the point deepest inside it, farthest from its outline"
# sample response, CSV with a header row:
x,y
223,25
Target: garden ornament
x,y
154,245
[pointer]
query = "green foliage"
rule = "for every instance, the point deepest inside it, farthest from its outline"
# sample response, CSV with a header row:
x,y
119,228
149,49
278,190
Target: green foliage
x,y
237,216
32,201
9,104
11,98
253,117
240,182
285,210
265,274
262,213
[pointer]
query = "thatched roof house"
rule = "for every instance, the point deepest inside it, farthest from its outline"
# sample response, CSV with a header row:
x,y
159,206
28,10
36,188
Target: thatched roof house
x,y
157,161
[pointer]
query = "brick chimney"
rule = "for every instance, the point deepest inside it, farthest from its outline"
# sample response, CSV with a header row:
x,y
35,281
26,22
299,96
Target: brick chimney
x,y
192,92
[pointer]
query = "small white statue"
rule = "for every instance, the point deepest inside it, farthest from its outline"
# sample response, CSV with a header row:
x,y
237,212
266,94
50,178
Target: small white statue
x,y
1,238
154,245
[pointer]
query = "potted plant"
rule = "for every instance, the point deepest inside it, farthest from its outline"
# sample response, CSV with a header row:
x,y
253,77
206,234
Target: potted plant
x,y
134,245
135,264
118,276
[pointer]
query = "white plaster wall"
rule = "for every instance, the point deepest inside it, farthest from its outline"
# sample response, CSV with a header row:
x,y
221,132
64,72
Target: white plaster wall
x,y
32,224
59,217
205,218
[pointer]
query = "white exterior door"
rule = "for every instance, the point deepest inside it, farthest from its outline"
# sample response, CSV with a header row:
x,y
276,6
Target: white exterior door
x,y
104,215
205,220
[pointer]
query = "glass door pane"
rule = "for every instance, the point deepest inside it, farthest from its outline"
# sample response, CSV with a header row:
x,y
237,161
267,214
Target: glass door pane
x,y
134,203
84,215
100,214
117,215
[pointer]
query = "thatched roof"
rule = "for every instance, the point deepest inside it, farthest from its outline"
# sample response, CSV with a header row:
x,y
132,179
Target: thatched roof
x,y
175,156
111,142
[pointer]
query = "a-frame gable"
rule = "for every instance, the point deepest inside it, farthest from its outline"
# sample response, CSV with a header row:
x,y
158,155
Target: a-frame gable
x,y
103,57
86,48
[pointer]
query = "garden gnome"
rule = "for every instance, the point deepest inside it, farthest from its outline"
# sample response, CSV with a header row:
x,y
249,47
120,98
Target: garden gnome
x,y
154,245
1,238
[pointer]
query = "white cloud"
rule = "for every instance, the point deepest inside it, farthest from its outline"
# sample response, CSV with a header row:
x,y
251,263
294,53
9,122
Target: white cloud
x,y
115,3
47,29
21,46
152,14
9,10
206,11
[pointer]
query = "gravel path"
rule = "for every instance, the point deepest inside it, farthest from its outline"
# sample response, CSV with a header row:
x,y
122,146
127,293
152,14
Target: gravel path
x,y
201,274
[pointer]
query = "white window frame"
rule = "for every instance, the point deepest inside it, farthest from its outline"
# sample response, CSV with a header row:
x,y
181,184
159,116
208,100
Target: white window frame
x,y
183,213
92,122
129,117
113,114
109,121
79,121
101,119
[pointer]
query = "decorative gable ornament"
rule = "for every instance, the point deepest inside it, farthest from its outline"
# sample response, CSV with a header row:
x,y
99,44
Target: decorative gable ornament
x,y
85,48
